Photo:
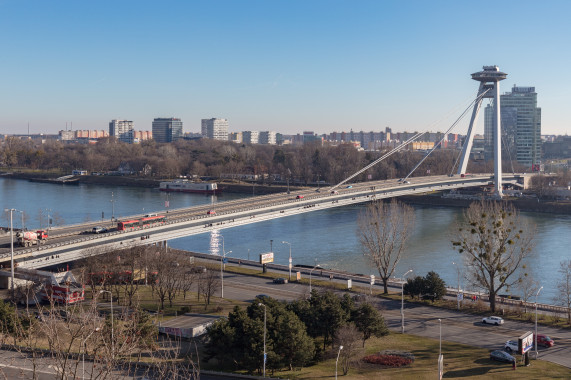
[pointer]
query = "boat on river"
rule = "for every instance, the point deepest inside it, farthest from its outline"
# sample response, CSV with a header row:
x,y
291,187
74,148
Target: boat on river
x,y
186,186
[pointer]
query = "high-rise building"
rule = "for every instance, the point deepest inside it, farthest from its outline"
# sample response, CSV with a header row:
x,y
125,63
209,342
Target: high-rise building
x,y
521,126
167,130
214,128
251,137
122,129
268,137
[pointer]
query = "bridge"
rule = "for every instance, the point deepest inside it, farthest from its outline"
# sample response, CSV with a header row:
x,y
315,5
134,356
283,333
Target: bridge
x,y
71,243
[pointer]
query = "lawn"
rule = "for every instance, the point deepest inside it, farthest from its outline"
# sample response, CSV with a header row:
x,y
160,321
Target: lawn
x,y
460,361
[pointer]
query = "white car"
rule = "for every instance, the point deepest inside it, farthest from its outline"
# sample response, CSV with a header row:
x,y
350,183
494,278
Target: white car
x,y
511,346
493,320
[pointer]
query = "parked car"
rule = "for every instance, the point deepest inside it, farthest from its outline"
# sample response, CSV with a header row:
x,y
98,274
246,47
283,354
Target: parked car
x,y
198,269
280,280
501,356
493,320
99,230
210,212
334,192
544,340
511,346
299,197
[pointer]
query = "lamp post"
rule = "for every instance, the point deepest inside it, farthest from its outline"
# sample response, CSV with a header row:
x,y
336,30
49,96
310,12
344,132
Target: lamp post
x,y
537,294
11,211
112,207
222,257
285,242
83,351
440,351
316,265
337,361
112,338
457,294
402,301
261,304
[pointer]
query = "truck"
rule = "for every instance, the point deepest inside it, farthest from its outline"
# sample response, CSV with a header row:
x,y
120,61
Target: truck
x,y
29,238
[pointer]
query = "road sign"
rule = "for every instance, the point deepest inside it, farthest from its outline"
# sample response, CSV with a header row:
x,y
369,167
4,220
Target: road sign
x,y
225,260
372,279
349,284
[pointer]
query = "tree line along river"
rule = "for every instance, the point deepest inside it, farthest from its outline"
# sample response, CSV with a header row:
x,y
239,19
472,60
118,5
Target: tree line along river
x,y
326,237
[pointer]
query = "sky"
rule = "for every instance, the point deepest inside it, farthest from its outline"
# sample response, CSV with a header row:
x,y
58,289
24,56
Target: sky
x,y
288,66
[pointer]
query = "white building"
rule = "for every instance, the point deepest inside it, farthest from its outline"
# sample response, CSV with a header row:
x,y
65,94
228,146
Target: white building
x,y
267,137
216,129
122,129
250,137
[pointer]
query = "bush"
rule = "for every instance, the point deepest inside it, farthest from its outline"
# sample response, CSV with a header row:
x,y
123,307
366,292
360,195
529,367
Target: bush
x,y
387,360
185,309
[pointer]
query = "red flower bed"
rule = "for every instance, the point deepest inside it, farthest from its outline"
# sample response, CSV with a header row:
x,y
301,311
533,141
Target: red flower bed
x,y
387,360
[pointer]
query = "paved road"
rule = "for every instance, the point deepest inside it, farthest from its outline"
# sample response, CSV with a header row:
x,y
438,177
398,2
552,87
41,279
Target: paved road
x,y
419,319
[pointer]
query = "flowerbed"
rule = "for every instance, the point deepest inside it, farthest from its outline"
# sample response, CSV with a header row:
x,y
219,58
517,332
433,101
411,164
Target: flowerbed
x,y
387,360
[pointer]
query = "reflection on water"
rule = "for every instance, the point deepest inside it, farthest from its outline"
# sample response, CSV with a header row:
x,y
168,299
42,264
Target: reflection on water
x,y
328,236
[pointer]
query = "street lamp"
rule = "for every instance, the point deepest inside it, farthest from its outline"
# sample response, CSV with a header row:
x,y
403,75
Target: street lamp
x,y
222,257
316,266
402,301
261,304
285,242
440,352
537,294
112,338
458,294
337,361
112,207
11,211
84,349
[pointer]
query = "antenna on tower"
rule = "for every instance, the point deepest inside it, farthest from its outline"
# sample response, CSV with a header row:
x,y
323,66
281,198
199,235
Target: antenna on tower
x,y
28,128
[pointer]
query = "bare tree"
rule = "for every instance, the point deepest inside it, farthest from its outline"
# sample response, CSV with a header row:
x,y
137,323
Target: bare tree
x,y
564,287
528,288
494,242
347,336
208,284
383,229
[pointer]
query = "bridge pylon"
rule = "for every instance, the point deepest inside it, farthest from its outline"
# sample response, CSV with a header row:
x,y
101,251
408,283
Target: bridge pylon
x,y
489,79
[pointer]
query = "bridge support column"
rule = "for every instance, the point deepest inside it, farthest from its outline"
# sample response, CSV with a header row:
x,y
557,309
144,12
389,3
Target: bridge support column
x,y
489,80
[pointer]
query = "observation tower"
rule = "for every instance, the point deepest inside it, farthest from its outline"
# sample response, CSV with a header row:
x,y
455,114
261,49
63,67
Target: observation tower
x,y
489,79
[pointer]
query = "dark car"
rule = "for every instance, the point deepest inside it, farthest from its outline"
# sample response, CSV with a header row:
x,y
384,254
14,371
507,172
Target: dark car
x,y
501,356
280,280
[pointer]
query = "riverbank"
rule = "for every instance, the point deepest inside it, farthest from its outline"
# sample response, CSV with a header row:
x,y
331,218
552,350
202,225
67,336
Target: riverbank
x,y
521,204
227,186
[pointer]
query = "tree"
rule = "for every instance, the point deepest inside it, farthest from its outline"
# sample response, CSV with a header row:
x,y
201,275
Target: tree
x,y
564,287
415,287
347,336
383,229
292,343
327,315
495,243
528,287
369,322
435,285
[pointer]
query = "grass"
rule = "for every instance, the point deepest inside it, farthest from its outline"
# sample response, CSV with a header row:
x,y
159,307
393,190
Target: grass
x,y
460,361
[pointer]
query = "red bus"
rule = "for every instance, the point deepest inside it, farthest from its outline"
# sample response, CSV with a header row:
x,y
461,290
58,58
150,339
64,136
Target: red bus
x,y
141,223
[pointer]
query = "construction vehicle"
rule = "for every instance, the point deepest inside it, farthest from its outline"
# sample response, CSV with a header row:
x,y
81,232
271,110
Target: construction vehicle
x,y
29,238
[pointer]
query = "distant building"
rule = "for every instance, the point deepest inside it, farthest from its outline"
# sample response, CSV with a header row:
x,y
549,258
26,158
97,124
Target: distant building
x,y
235,137
216,129
122,130
139,136
250,137
521,126
167,130
268,137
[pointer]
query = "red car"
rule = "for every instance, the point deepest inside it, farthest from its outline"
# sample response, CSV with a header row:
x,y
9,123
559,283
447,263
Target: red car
x,y
299,197
544,340
211,212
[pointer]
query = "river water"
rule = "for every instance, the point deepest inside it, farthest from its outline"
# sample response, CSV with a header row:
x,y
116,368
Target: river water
x,y
326,237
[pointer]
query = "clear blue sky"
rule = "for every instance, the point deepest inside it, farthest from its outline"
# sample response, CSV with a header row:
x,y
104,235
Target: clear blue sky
x,y
287,66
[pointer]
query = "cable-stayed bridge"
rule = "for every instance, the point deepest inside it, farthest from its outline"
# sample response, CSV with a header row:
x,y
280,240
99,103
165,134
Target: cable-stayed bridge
x,y
68,243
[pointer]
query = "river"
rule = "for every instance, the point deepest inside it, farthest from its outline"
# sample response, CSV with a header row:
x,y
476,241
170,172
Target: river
x,y
326,237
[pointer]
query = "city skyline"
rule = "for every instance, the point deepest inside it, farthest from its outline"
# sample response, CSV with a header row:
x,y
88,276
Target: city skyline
x,y
291,66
